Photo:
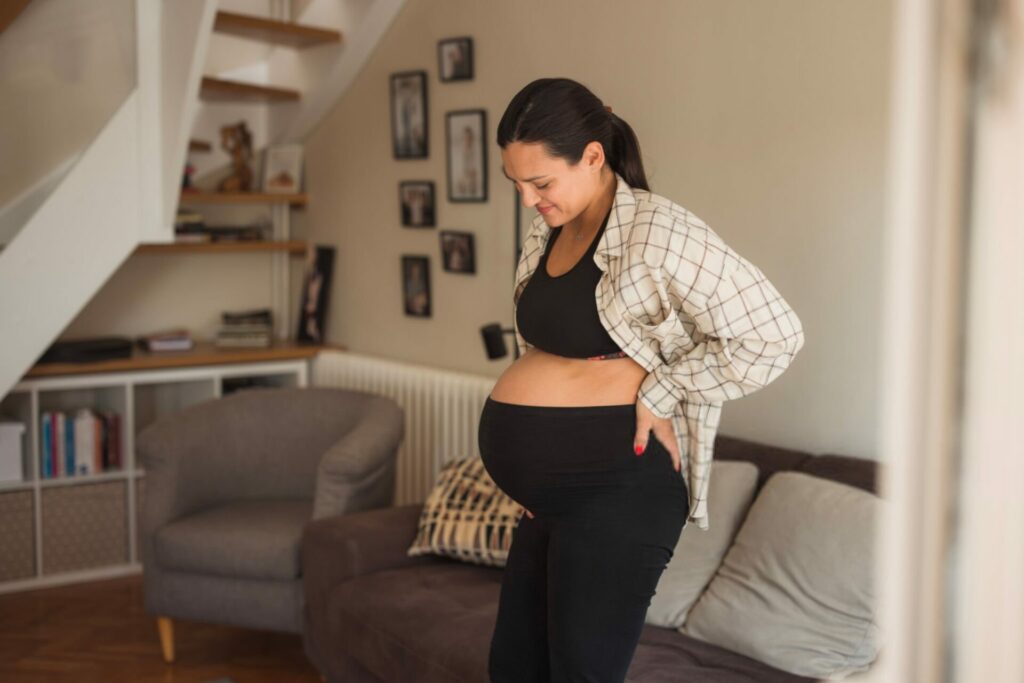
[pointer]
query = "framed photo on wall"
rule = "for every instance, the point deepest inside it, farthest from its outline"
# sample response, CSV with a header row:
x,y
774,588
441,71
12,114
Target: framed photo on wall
x,y
282,169
316,285
409,114
416,198
416,285
466,134
455,59
457,252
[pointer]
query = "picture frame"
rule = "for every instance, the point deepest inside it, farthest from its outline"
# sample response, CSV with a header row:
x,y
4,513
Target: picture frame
x,y
282,169
416,285
409,130
455,59
316,285
466,143
458,253
417,203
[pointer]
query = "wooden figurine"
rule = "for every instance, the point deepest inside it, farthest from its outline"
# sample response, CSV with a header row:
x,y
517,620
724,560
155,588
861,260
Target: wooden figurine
x,y
236,140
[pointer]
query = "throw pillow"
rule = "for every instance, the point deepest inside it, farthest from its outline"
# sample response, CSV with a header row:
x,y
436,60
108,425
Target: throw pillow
x,y
796,589
699,553
466,516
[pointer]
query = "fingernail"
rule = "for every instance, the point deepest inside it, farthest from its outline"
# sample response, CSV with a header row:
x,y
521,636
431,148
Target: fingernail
x,y
638,448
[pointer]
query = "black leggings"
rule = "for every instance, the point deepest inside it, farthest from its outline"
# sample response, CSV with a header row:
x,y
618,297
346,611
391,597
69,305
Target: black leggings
x,y
581,574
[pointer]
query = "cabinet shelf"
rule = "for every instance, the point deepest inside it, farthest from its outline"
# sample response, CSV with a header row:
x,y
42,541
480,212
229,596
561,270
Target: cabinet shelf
x,y
293,247
295,199
203,353
272,31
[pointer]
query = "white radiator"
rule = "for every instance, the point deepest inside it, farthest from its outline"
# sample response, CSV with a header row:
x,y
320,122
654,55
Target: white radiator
x,y
442,411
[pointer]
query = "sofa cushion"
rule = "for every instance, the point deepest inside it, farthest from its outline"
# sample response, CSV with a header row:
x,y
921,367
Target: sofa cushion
x,y
699,552
796,588
466,516
423,623
433,624
256,539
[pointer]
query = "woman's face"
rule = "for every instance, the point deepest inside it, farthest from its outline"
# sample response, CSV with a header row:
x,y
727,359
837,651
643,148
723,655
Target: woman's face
x,y
560,192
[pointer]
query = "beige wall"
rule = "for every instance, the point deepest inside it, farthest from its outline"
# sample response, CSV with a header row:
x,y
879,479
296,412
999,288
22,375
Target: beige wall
x,y
766,119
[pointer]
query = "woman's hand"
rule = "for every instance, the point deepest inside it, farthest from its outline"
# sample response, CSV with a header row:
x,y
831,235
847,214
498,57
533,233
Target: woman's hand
x,y
646,421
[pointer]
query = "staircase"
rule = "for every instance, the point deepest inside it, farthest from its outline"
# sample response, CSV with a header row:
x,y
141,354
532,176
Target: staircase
x,y
68,228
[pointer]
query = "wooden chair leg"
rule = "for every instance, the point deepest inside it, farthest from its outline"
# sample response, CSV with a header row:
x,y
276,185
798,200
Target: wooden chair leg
x,y
166,628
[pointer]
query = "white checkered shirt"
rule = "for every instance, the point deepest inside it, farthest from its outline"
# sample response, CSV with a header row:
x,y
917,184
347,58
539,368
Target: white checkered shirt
x,y
705,323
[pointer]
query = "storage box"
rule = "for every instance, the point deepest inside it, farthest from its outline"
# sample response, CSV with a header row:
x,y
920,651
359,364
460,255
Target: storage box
x,y
11,462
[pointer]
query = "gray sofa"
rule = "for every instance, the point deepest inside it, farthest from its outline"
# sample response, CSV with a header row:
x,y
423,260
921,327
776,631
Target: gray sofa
x,y
230,484
374,614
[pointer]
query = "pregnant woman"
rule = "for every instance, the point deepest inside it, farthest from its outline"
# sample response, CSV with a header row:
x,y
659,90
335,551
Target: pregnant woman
x,y
636,322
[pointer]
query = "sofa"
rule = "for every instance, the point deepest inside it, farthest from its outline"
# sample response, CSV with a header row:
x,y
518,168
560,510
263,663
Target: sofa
x,y
373,613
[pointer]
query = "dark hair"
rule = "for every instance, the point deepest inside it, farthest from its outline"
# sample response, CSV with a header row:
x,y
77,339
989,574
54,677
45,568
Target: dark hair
x,y
565,116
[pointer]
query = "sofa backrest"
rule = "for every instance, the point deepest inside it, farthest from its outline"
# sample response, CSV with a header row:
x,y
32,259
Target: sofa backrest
x,y
859,472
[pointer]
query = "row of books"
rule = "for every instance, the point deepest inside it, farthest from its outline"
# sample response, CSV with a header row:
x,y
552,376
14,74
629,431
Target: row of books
x,y
85,441
189,226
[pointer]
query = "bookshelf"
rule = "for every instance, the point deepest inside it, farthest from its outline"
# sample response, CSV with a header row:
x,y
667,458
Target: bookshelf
x,y
85,527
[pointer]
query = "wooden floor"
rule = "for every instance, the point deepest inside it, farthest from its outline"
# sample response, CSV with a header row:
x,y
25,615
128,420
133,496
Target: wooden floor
x,y
99,631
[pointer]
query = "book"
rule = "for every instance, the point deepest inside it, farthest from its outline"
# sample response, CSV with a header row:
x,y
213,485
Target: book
x,y
44,450
84,437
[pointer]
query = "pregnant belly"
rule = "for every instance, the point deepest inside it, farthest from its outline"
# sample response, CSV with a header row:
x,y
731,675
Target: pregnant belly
x,y
543,379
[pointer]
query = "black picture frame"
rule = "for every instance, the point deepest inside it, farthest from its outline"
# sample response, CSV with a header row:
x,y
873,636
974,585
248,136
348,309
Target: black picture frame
x,y
458,252
466,155
416,285
316,285
410,137
417,203
455,59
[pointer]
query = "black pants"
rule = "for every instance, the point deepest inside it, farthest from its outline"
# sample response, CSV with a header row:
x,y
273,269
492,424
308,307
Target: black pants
x,y
581,574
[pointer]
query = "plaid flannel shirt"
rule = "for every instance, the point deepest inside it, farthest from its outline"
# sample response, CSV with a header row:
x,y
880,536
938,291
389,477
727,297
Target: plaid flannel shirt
x,y
705,323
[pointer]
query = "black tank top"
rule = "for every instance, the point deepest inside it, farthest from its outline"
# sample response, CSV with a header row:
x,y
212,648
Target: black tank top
x,y
559,314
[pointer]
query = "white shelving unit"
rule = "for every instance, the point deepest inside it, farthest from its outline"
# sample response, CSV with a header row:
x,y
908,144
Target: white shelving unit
x,y
84,527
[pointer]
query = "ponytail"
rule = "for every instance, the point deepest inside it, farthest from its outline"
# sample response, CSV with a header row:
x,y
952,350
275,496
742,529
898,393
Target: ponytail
x,y
625,157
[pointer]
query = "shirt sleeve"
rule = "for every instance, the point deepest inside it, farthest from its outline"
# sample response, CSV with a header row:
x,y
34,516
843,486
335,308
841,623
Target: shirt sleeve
x,y
746,334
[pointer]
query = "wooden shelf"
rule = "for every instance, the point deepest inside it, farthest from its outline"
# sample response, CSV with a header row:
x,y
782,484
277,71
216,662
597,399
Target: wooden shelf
x,y
223,90
272,31
293,247
199,146
297,199
204,353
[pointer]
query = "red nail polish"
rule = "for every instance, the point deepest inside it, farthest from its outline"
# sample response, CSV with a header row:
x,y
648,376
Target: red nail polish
x,y
638,448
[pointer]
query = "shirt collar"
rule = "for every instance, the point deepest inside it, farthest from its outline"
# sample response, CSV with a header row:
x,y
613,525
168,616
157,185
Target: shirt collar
x,y
610,246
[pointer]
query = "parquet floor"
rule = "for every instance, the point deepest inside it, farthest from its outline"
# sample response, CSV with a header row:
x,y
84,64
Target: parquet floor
x,y
99,632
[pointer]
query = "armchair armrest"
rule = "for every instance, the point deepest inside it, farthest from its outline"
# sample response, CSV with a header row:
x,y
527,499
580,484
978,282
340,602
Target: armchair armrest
x,y
357,473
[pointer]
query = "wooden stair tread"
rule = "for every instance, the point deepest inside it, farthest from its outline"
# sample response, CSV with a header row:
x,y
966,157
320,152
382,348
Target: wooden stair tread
x,y
273,31
223,90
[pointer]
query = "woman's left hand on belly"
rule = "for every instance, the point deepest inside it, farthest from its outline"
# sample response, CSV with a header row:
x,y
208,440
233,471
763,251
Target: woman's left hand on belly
x,y
646,422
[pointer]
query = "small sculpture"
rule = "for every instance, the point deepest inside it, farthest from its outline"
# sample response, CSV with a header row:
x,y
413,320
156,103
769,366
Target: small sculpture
x,y
236,140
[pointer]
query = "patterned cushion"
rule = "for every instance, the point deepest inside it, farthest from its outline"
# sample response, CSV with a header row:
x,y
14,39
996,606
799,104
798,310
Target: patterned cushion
x,y
466,516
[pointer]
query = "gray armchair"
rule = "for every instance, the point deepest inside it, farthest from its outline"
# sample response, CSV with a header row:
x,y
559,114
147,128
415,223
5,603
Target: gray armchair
x,y
230,484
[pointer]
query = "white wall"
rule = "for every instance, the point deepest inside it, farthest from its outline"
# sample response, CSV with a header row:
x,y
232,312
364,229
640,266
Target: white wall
x,y
768,120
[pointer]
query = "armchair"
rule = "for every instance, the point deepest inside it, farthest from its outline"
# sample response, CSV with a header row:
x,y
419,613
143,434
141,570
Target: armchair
x,y
230,485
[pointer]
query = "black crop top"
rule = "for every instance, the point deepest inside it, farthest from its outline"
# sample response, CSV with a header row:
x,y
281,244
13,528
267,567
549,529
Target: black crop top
x,y
559,314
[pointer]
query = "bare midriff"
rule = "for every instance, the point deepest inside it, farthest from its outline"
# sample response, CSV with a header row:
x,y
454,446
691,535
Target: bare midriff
x,y
540,378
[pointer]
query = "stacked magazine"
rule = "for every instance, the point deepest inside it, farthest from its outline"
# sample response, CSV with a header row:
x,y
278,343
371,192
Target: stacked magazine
x,y
252,328
177,339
